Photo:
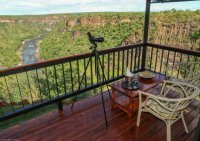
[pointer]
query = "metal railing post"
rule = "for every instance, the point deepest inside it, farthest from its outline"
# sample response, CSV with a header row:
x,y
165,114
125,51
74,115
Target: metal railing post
x,y
60,105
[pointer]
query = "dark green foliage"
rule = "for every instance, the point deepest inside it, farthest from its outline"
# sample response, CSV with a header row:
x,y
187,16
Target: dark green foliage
x,y
72,39
196,35
11,37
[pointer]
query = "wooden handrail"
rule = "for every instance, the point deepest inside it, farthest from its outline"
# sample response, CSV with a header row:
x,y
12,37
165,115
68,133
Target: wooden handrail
x,y
56,61
175,49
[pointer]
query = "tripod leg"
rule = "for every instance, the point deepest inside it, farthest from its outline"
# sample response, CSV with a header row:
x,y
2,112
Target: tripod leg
x,y
104,77
102,97
79,87
104,109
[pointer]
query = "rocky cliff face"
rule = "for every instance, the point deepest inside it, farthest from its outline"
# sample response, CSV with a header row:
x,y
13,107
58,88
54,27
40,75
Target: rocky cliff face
x,y
132,39
7,20
176,34
49,19
32,19
96,21
103,20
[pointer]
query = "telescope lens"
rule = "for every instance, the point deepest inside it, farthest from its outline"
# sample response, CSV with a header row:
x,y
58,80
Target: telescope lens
x,y
93,39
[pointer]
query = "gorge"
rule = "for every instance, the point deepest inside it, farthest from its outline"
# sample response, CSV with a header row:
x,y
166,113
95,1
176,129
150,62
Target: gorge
x,y
30,51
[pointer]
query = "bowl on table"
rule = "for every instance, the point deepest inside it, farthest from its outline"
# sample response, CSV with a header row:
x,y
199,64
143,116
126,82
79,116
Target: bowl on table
x,y
146,75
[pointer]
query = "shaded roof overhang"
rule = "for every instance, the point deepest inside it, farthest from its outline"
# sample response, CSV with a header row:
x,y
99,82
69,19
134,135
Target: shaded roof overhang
x,y
161,1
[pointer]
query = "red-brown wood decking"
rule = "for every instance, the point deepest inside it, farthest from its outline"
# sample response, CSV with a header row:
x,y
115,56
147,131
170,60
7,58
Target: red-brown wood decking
x,y
86,123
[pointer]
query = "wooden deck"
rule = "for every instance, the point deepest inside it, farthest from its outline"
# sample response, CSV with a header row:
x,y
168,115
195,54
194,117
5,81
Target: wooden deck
x,y
86,123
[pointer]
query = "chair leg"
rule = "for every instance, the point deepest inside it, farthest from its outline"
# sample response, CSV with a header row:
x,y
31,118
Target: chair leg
x,y
138,117
183,120
168,131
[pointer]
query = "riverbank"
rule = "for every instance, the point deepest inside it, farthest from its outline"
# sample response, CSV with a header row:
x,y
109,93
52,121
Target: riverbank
x,y
29,51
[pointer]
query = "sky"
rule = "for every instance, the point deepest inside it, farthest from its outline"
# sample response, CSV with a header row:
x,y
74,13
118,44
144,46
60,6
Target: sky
x,y
35,7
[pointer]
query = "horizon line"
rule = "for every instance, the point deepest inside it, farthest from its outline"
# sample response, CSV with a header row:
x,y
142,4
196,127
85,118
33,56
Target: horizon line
x,y
43,14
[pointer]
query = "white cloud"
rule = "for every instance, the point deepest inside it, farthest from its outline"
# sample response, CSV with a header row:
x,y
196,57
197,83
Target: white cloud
x,y
77,1
69,6
29,4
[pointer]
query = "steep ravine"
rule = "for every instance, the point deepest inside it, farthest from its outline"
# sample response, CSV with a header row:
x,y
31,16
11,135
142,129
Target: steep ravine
x,y
30,50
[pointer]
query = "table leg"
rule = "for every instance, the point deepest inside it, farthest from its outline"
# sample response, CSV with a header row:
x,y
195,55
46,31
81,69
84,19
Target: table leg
x,y
131,108
113,99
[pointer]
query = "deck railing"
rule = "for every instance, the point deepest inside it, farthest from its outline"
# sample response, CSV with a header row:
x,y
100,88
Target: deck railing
x,y
28,87
160,57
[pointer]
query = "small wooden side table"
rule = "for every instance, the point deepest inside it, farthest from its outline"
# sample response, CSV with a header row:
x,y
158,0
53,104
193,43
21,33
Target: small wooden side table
x,y
128,102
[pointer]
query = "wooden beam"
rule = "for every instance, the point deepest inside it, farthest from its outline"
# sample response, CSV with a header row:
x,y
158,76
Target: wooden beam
x,y
164,1
146,31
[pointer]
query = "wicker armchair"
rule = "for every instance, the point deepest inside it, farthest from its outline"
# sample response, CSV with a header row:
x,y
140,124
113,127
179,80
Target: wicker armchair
x,y
167,108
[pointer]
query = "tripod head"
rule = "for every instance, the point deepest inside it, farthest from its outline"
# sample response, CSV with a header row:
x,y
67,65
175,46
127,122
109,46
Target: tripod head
x,y
93,40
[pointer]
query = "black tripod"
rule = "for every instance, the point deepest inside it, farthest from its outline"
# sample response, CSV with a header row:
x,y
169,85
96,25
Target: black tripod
x,y
98,63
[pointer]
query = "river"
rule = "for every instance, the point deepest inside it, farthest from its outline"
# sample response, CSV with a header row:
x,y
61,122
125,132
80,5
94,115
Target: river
x,y
30,50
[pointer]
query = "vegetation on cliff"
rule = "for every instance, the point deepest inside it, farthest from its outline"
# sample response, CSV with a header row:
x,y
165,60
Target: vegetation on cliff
x,y
175,28
15,29
11,37
70,37
67,32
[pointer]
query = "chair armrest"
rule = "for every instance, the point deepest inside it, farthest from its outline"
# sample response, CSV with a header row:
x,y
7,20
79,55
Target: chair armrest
x,y
177,83
162,101
158,97
180,87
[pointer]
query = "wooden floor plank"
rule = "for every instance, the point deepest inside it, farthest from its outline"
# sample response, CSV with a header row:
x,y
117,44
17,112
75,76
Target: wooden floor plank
x,y
86,122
